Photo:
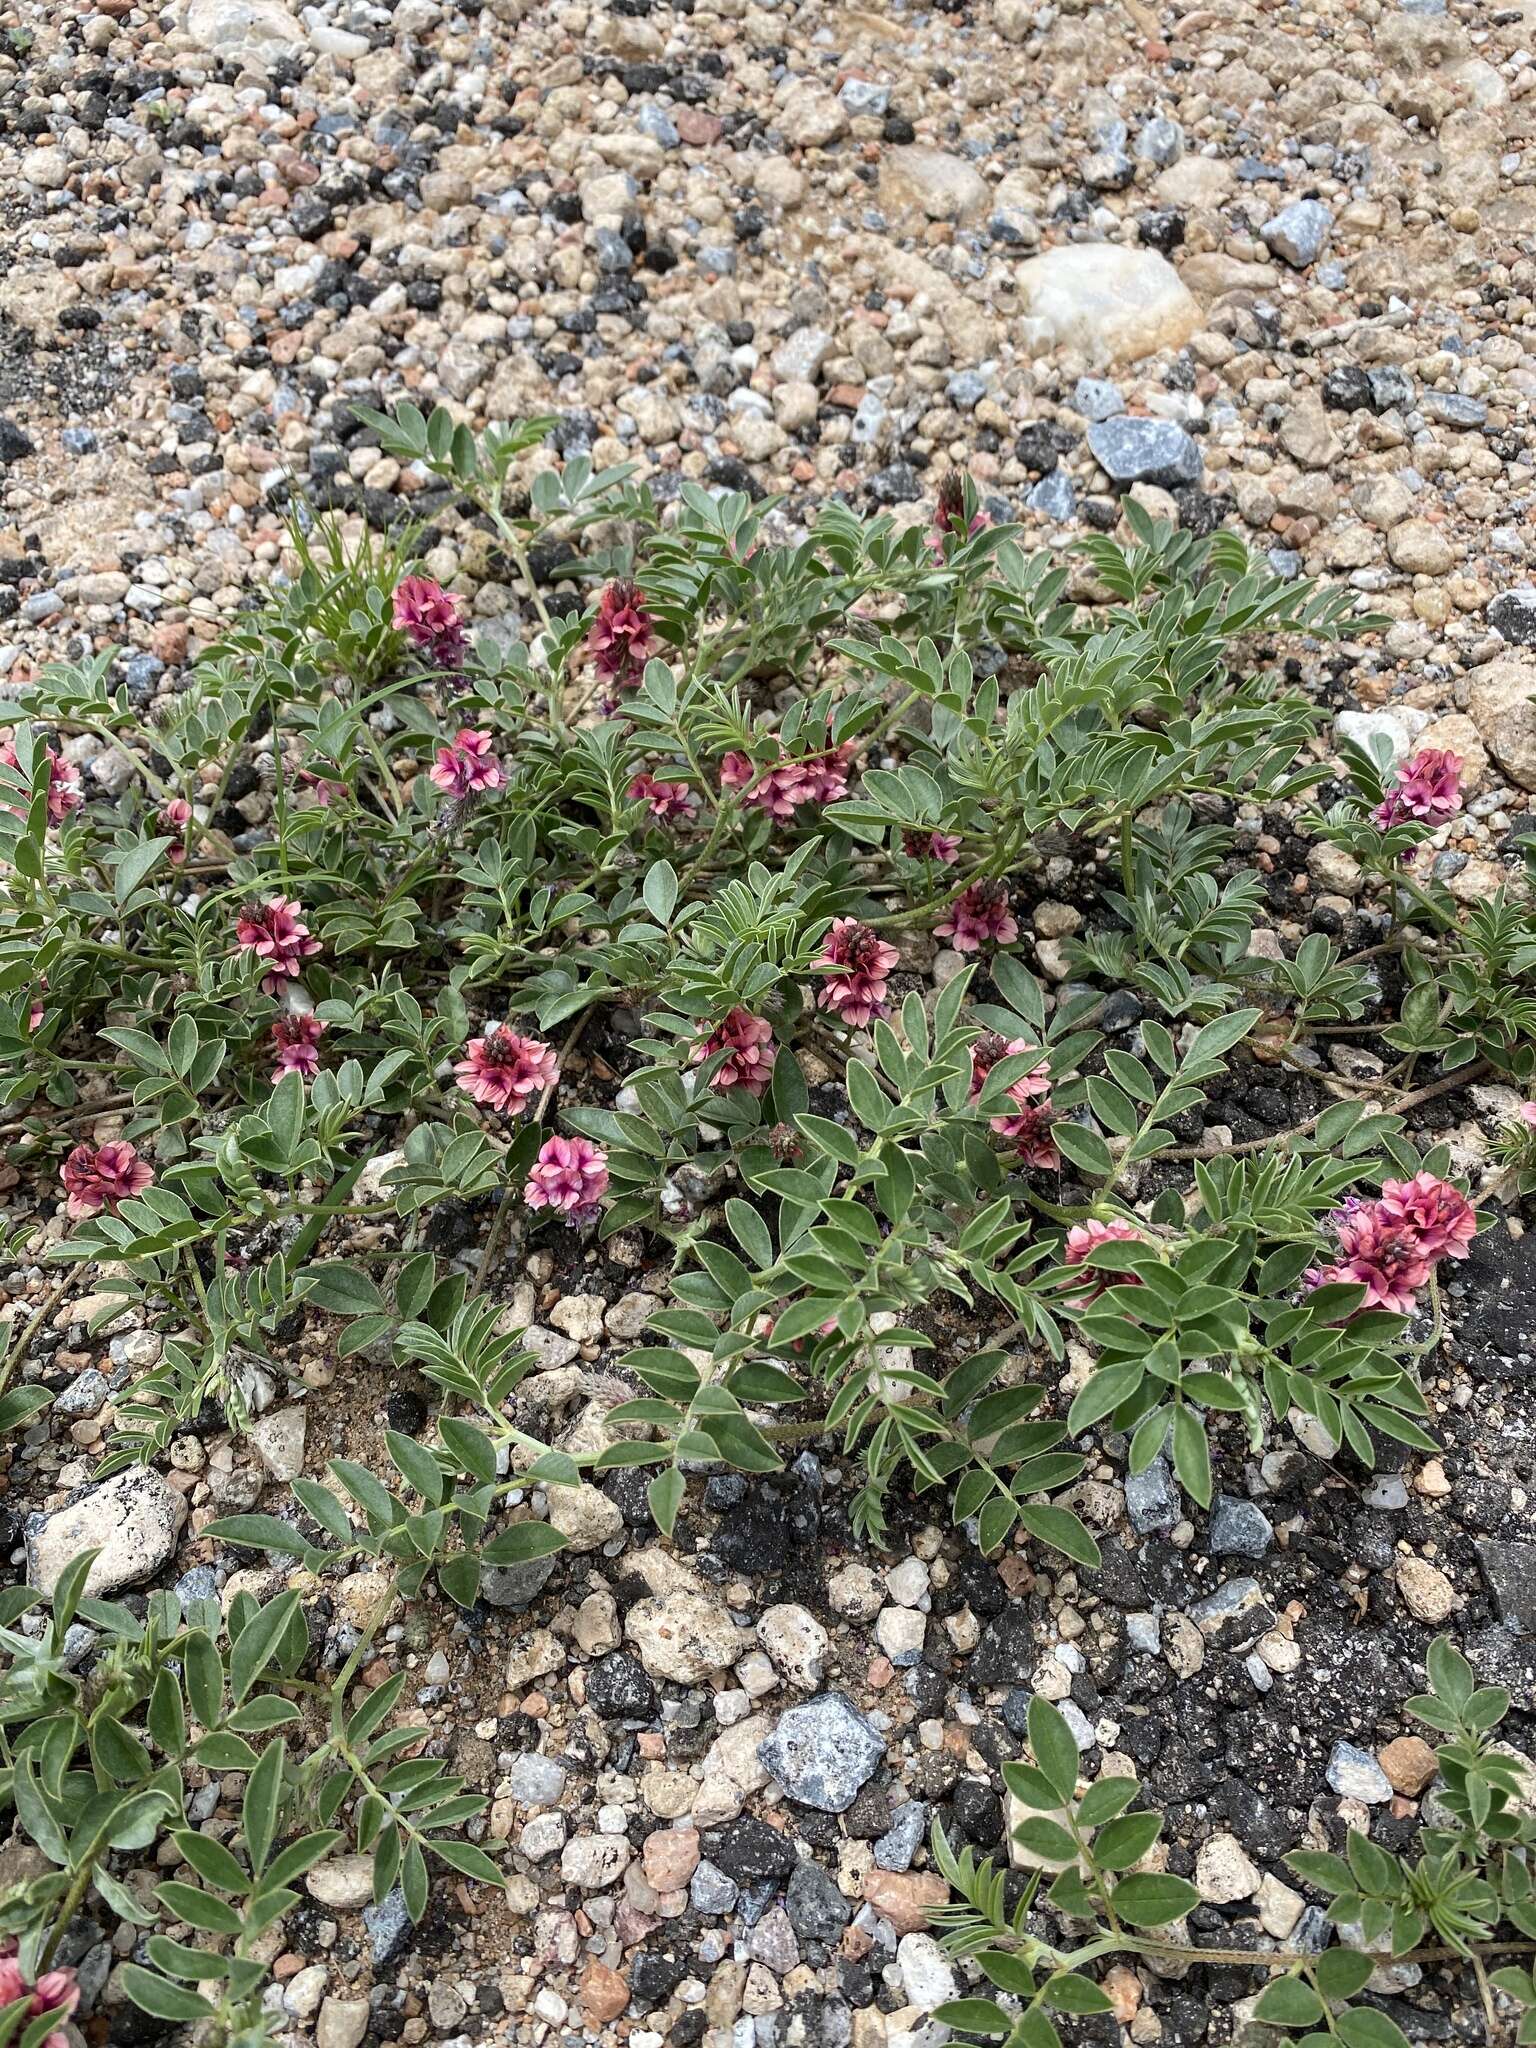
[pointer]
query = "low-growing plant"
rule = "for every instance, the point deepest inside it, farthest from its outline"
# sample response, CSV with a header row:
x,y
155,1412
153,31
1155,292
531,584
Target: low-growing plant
x,y
616,916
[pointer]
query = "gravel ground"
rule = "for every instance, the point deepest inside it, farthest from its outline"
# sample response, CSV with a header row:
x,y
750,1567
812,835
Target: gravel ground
x,y
1264,265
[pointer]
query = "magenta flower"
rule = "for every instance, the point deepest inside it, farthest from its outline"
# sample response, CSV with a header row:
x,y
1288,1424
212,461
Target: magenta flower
x,y
175,816
431,618
1427,788
323,788
276,934
824,777
63,779
296,1044
569,1174
1085,1238
943,847
100,1177
467,766
623,635
858,992
980,915
55,1991
1383,1256
506,1071
781,789
1029,1124
1444,1220
664,800
748,1044
35,1012
949,520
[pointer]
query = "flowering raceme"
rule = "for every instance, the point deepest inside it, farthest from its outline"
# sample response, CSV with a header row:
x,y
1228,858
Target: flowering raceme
x,y
1392,1245
623,635
1427,788
63,779
277,935
781,789
943,847
980,915
466,767
296,1045
506,1071
570,1174
949,520
1441,1216
99,1177
857,992
747,1042
1028,1125
664,800
175,817
431,618
1083,1239
55,1991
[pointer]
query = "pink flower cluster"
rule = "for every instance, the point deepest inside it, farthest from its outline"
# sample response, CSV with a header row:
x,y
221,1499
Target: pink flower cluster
x,y
1029,1124
943,847
432,619
1427,788
979,916
99,1177
55,1991
949,520
1526,1113
1083,1239
570,1174
63,779
506,1071
467,766
1390,1246
781,790
748,1044
175,817
623,635
857,992
664,800
296,1039
277,935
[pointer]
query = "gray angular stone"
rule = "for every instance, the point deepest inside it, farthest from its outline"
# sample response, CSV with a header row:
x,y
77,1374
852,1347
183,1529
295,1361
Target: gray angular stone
x,y
1234,1616
658,124
1160,142
1238,1528
817,1909
515,1585
1096,398
1389,387
821,1753
1355,1774
388,1927
1144,451
1299,233
861,96
899,1844
711,1891
1053,496
1510,1569
1152,1499
83,1396
1453,409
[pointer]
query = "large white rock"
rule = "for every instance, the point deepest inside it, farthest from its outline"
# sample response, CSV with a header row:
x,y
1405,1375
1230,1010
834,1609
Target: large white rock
x,y
1113,305
252,32
132,1521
